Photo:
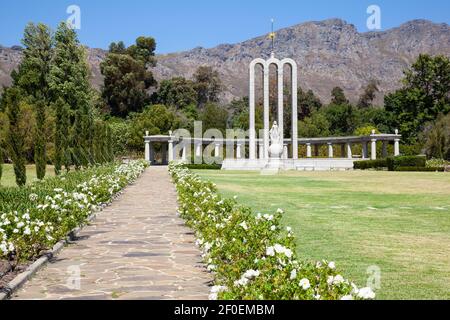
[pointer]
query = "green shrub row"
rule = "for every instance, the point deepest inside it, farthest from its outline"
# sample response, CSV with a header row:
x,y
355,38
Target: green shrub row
x,y
203,166
49,210
393,163
251,256
370,164
420,169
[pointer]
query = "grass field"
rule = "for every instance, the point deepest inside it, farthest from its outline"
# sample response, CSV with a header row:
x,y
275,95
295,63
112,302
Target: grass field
x,y
399,222
9,180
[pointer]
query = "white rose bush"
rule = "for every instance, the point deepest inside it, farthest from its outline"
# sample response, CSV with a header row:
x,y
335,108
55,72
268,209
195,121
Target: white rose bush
x,y
34,218
251,255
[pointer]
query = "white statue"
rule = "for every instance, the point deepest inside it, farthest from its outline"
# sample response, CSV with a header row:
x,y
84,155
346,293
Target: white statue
x,y
276,141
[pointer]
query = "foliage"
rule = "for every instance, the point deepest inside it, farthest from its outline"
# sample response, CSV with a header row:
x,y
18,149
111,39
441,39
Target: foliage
x,y
34,218
202,166
437,139
39,153
341,118
338,96
214,117
126,76
177,93
32,75
208,85
437,163
315,126
307,103
366,131
250,255
419,169
424,96
370,164
369,94
406,161
15,138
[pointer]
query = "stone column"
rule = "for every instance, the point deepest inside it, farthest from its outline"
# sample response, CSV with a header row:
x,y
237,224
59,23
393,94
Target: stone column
x,y
252,133
261,150
349,151
266,112
171,157
373,149
308,150
396,147
384,150
198,149
239,150
281,101
294,112
365,150
147,150
217,150
330,150
285,151
184,151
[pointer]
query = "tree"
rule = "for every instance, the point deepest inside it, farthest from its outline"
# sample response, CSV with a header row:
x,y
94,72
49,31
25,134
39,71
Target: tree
x,y
177,93
424,95
315,126
437,139
127,79
307,103
15,138
62,152
338,96
69,72
1,161
369,94
32,75
40,148
214,117
208,85
342,118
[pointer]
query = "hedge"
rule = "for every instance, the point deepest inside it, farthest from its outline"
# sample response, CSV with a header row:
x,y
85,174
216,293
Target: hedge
x,y
251,256
203,166
406,161
420,169
370,164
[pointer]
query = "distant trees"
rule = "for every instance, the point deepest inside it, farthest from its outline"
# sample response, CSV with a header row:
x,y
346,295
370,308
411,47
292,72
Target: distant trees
x,y
425,94
127,77
178,93
207,85
338,96
368,96
307,103
437,138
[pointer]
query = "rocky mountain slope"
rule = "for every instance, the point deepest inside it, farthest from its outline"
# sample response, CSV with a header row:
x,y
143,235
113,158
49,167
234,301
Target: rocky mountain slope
x,y
329,53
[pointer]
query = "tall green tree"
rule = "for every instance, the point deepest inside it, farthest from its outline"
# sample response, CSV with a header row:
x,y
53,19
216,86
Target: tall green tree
x,y
32,76
177,93
338,96
15,138
368,96
40,158
214,117
208,85
437,138
307,103
126,76
425,94
1,162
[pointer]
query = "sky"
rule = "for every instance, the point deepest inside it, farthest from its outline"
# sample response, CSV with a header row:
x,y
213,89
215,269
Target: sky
x,y
179,25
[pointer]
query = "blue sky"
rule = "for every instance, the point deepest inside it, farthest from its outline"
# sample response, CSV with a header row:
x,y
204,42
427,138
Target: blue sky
x,y
184,24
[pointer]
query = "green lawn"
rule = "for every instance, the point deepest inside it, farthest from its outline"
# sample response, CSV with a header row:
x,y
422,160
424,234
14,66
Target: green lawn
x,y
9,180
399,222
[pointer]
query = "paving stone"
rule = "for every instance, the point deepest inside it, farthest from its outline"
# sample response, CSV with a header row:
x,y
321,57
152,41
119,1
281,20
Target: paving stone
x,y
137,248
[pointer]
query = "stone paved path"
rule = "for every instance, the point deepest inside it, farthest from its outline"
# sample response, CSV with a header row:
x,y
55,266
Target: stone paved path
x,y
135,249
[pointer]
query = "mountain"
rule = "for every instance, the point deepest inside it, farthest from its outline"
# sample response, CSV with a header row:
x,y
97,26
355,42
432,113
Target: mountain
x,y
329,53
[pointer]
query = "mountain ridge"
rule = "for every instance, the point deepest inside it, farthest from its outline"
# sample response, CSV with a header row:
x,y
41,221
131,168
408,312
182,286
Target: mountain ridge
x,y
329,53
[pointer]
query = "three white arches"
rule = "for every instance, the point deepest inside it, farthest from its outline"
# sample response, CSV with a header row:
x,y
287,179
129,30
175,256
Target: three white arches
x,y
266,64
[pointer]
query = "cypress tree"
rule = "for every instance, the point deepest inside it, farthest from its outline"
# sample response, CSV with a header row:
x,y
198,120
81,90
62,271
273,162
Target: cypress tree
x,y
1,162
76,142
15,138
39,149
59,137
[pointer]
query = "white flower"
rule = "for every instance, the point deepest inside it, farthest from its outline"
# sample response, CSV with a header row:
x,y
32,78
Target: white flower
x,y
332,265
348,297
293,274
366,293
27,231
288,229
270,251
251,274
242,282
304,283
244,226
273,228
280,211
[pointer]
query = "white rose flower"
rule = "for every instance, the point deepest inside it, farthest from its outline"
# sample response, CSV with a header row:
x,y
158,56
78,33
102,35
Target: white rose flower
x,y
304,283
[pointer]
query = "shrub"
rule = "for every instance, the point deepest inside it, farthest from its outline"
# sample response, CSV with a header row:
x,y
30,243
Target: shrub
x,y
370,164
437,163
251,256
406,161
420,169
34,218
203,166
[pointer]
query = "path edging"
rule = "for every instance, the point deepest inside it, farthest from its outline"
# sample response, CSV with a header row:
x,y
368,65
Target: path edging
x,y
22,278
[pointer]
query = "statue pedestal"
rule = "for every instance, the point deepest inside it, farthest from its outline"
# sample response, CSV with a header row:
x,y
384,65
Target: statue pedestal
x,y
273,166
